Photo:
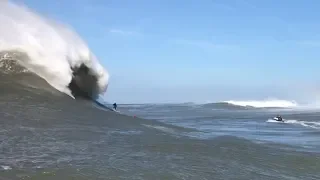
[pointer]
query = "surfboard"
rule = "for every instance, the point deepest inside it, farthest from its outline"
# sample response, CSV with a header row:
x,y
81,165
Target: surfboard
x,y
115,110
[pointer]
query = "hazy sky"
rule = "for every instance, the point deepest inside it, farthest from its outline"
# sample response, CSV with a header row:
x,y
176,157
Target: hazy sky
x,y
198,50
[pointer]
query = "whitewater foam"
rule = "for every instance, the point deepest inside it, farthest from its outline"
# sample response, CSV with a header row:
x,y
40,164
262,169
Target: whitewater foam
x,y
265,103
48,49
310,124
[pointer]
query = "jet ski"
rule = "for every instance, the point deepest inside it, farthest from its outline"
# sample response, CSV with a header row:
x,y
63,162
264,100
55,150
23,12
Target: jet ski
x,y
278,118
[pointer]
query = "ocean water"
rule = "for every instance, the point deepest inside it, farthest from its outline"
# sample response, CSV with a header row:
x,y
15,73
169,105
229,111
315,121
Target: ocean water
x,y
52,127
300,128
47,135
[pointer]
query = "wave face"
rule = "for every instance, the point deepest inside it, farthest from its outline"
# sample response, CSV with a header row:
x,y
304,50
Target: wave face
x,y
31,43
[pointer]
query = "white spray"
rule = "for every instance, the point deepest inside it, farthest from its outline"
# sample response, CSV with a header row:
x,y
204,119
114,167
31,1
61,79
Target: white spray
x,y
51,49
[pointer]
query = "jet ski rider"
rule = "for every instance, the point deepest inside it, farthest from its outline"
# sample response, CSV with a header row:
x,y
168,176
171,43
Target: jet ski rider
x,y
279,118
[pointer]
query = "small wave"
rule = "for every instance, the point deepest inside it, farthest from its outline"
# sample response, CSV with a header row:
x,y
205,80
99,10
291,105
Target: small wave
x,y
310,124
226,106
50,50
265,103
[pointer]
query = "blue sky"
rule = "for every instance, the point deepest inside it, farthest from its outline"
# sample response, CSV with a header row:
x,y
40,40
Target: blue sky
x,y
198,50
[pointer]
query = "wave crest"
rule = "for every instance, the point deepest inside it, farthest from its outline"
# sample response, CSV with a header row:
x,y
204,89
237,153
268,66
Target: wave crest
x,y
9,65
226,106
249,105
265,103
50,50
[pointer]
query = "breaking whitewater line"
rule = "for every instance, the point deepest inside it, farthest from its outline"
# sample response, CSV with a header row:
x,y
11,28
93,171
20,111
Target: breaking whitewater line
x,y
265,103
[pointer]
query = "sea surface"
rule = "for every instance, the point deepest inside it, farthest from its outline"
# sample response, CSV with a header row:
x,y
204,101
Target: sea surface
x,y
48,135
300,128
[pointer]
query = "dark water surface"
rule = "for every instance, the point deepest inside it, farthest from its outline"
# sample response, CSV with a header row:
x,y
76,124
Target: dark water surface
x,y
46,135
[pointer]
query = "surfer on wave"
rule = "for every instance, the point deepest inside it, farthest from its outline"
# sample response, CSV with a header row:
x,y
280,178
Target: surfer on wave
x,y
115,106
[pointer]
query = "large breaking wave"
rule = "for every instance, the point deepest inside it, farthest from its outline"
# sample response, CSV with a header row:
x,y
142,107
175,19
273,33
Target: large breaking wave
x,y
32,43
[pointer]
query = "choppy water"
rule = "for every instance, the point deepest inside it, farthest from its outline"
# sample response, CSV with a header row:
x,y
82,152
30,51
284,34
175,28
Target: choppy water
x,y
46,135
300,128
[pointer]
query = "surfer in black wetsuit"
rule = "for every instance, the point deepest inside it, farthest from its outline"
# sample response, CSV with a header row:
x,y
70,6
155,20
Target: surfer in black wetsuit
x,y
115,106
